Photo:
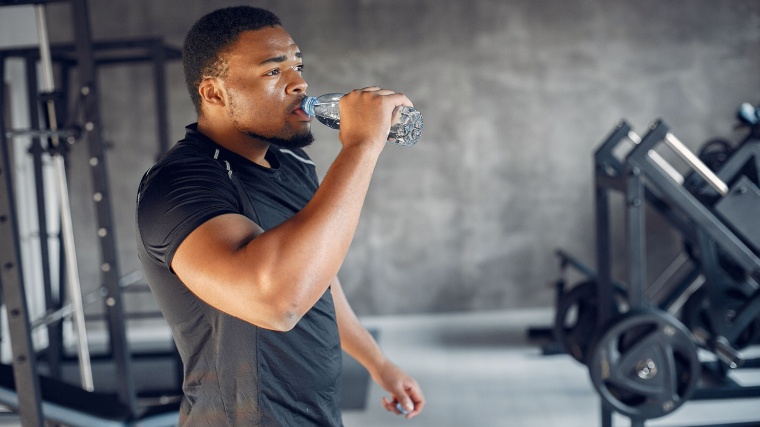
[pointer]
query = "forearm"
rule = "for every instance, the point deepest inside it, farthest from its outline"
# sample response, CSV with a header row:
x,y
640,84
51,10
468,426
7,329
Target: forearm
x,y
359,343
355,339
304,253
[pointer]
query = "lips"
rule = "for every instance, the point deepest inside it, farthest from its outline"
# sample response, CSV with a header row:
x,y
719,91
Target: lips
x,y
300,112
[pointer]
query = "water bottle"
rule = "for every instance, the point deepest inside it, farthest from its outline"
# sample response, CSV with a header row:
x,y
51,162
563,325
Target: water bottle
x,y
405,130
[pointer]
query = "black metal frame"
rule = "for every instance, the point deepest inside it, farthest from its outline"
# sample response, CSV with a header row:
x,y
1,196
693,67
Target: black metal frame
x,y
86,56
14,297
644,182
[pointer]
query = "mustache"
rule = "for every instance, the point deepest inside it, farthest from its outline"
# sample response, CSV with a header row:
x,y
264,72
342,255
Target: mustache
x,y
297,104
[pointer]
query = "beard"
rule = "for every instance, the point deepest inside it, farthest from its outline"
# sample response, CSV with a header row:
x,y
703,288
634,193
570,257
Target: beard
x,y
295,141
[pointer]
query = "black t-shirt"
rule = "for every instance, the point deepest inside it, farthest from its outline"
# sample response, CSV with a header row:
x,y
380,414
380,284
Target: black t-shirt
x,y
236,374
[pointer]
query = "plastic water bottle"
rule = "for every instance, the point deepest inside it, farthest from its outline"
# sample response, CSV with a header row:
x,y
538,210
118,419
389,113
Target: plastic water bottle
x,y
405,130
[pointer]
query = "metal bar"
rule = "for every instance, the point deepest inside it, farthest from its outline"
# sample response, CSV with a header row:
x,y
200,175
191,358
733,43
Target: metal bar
x,y
666,167
655,156
635,235
696,164
109,262
603,156
68,309
605,294
634,137
691,284
607,176
99,294
140,47
43,133
54,332
13,294
72,269
606,415
567,259
20,2
672,269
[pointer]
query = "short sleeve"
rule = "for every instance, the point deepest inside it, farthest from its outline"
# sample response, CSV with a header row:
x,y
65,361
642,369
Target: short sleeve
x,y
176,198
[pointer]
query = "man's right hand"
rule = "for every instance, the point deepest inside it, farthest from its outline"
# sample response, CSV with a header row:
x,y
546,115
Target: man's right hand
x,y
366,115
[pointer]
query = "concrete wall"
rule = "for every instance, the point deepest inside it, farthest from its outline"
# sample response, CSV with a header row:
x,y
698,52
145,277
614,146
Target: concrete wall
x,y
515,94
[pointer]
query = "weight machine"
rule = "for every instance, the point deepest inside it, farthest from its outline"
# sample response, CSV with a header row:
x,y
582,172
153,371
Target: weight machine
x,y
646,357
22,388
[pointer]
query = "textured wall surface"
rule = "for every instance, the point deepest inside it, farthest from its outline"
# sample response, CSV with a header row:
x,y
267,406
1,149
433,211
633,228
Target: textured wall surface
x,y
515,94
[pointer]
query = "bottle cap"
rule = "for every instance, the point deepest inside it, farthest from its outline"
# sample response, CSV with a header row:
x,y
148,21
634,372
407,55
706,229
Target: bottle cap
x,y
307,105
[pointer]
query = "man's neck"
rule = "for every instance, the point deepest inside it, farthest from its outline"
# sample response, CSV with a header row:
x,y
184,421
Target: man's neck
x,y
235,141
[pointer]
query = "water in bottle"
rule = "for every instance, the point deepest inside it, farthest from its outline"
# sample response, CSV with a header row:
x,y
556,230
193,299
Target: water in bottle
x,y
405,130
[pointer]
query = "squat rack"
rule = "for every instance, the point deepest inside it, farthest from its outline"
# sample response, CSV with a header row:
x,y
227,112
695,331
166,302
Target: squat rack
x,y
83,56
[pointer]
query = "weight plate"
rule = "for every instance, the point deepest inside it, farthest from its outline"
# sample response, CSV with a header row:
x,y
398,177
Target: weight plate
x,y
645,364
575,321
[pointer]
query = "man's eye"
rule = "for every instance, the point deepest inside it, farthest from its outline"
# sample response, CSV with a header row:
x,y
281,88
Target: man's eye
x,y
274,72
299,68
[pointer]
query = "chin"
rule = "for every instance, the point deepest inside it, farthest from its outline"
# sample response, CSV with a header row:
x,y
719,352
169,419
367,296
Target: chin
x,y
297,141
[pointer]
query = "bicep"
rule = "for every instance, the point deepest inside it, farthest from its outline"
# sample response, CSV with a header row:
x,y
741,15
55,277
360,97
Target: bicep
x,y
212,262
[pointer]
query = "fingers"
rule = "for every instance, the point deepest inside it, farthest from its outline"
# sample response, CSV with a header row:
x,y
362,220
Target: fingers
x,y
406,396
415,402
408,401
399,97
393,405
366,115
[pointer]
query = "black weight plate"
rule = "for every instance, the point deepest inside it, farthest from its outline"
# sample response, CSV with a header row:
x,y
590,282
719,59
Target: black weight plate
x,y
575,319
645,364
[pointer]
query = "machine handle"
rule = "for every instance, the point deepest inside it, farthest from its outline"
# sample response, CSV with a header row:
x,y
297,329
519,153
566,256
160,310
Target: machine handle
x,y
683,152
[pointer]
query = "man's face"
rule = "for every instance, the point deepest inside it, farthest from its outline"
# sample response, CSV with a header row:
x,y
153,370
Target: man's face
x,y
265,87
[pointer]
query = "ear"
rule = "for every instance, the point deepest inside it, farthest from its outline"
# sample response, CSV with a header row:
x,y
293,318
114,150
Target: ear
x,y
212,92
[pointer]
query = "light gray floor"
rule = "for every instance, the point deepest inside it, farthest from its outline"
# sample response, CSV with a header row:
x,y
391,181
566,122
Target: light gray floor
x,y
479,370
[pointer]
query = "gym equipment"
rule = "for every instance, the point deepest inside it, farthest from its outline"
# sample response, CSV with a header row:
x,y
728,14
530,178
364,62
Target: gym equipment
x,y
14,296
67,227
576,317
23,388
645,364
642,358
76,407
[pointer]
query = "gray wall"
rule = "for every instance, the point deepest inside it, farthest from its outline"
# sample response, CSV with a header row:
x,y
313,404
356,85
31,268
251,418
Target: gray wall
x,y
515,95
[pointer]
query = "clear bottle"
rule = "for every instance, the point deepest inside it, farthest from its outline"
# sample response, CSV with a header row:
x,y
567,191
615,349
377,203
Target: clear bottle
x,y
407,122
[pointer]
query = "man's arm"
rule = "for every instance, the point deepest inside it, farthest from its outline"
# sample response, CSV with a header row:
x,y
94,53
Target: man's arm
x,y
359,343
272,278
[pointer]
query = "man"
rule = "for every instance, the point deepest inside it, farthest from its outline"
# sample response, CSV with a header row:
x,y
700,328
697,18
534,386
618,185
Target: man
x,y
241,246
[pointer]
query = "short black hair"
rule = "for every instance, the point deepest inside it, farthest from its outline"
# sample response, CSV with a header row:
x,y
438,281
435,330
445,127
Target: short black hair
x,y
207,39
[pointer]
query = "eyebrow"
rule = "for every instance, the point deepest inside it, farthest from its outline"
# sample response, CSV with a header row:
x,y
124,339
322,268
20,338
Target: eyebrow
x,y
279,59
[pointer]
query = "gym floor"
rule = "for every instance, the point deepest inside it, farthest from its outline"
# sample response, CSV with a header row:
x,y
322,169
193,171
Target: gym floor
x,y
480,370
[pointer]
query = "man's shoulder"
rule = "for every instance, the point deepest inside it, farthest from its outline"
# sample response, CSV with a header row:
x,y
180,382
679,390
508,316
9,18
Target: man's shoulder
x,y
186,155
